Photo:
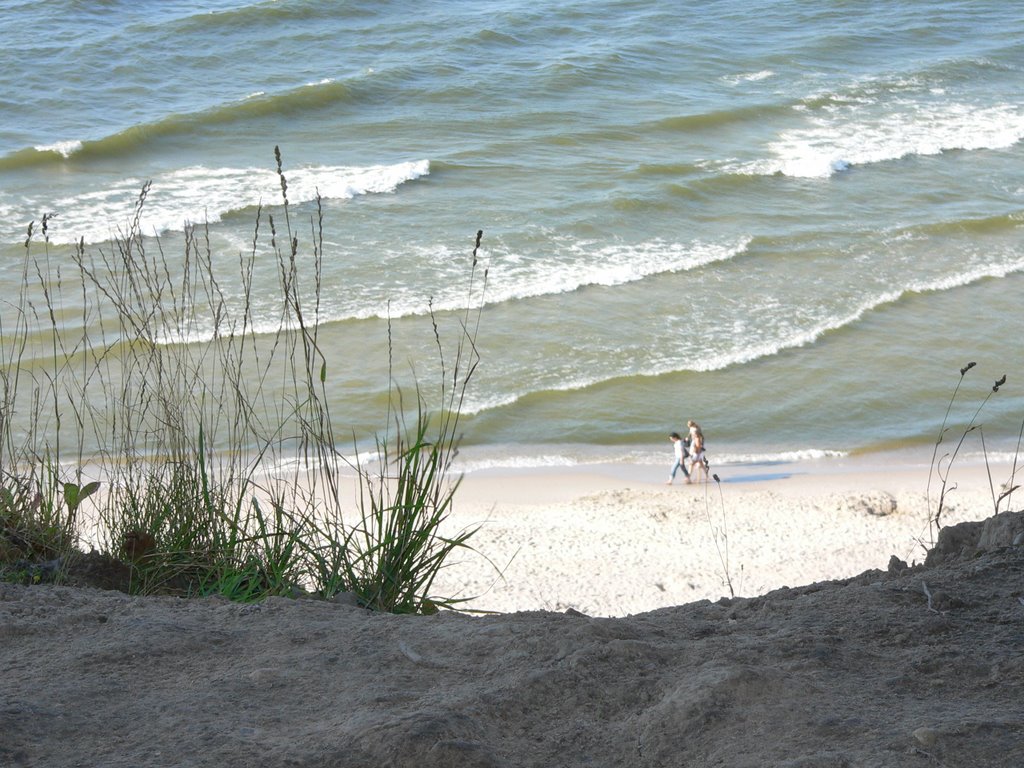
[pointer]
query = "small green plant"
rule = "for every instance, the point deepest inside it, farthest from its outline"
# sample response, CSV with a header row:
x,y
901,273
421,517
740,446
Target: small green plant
x,y
36,530
32,519
74,495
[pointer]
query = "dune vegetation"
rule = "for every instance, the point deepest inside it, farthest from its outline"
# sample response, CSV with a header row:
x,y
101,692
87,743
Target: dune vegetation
x,y
152,439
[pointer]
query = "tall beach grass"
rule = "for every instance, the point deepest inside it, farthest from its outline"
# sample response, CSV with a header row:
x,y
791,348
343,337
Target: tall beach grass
x,y
199,454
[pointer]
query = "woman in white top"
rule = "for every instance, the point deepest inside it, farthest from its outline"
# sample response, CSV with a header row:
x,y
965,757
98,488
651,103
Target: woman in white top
x,y
696,451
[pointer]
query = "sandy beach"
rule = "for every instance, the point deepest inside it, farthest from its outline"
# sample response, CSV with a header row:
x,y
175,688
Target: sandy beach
x,y
614,540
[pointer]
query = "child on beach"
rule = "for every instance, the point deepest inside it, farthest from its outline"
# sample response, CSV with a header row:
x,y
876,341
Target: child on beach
x,y
681,453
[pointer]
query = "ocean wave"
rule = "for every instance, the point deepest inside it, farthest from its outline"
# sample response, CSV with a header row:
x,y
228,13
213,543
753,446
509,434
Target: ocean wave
x,y
582,69
748,354
967,71
29,157
985,225
498,458
525,461
709,121
832,324
993,457
259,16
62,148
483,459
511,277
489,37
603,265
672,169
307,97
838,137
583,264
782,457
748,77
200,194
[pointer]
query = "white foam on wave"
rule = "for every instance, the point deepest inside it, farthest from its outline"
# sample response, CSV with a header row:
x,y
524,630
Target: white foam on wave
x,y
200,194
575,265
501,458
348,465
586,264
837,137
480,404
62,148
526,461
511,277
782,457
994,457
748,77
504,458
812,334
712,362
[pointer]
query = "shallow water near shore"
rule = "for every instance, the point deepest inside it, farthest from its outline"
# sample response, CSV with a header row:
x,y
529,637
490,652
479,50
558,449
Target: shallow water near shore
x,y
794,224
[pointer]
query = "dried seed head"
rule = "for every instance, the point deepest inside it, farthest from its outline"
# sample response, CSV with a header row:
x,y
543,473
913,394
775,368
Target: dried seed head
x,y
967,367
280,174
999,383
476,247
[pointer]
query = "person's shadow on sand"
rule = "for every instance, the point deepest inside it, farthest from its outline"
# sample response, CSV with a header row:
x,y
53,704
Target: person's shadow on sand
x,y
758,478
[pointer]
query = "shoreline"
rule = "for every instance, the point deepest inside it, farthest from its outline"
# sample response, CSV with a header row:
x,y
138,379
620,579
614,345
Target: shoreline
x,y
615,540
901,470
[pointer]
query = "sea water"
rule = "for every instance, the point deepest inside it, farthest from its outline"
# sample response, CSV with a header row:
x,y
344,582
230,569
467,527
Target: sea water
x,y
793,222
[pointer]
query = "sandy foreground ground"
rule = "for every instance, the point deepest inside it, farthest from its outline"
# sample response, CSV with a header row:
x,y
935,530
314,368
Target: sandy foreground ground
x,y
615,540
864,662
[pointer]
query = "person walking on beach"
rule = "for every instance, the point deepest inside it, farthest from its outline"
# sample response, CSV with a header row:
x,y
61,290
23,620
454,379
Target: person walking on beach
x,y
679,445
697,460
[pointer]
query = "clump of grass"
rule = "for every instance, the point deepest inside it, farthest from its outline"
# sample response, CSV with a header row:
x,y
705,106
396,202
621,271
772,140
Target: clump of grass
x,y
397,550
391,558
163,407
